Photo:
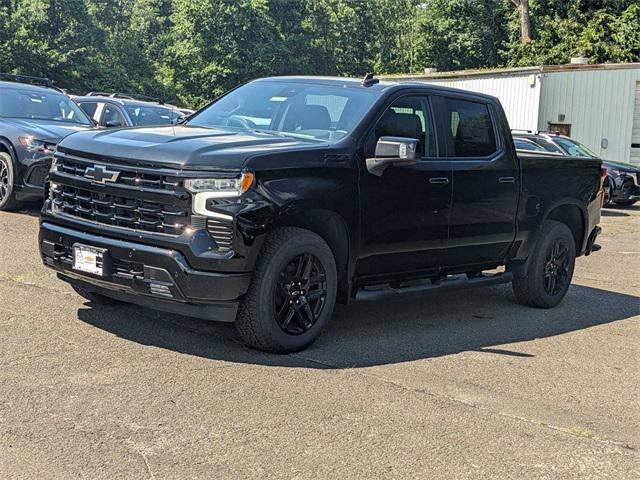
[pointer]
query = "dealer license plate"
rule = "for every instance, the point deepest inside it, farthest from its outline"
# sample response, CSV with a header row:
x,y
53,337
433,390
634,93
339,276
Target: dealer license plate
x,y
88,259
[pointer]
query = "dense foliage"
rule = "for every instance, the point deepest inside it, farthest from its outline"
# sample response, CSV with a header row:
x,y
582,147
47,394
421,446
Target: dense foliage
x,y
192,50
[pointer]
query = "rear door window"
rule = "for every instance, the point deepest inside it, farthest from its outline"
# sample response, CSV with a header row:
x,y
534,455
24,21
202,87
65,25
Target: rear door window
x,y
472,131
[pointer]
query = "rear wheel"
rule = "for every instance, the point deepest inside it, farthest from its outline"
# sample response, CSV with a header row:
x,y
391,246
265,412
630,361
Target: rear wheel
x,y
550,267
94,297
7,181
292,292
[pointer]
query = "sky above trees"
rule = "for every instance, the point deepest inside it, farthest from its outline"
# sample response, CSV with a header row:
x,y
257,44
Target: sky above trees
x,y
190,51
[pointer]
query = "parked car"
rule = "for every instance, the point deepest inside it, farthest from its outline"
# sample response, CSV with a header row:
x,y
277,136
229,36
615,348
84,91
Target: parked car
x,y
127,110
34,117
622,183
287,194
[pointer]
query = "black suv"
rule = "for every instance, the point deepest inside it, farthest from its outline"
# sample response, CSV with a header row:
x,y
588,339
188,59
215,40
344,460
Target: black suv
x,y
128,110
287,194
33,119
622,183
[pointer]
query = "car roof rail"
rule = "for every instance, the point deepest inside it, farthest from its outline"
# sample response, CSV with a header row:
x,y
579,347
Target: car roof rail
x,y
30,80
127,96
521,130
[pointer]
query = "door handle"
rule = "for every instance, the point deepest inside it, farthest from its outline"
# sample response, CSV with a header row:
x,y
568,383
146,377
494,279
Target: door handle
x,y
439,181
507,180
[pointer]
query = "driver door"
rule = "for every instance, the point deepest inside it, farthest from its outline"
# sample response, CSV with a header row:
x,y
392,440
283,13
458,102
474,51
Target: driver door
x,y
405,211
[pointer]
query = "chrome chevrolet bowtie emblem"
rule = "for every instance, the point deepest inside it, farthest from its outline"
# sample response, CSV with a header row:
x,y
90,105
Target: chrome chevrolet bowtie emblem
x,y
100,174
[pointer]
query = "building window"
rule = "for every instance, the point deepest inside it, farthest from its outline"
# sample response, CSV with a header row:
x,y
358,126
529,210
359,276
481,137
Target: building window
x,y
561,128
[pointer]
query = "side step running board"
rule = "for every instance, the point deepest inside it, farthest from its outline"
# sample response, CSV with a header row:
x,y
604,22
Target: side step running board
x,y
451,282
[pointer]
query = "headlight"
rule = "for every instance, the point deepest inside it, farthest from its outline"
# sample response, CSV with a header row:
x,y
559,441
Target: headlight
x,y
34,145
207,188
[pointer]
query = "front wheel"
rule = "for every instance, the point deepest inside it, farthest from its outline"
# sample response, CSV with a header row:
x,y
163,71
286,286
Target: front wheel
x,y
7,181
292,292
550,267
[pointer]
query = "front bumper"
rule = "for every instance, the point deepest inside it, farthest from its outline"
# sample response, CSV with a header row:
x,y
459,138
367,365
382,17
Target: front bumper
x,y
154,277
34,178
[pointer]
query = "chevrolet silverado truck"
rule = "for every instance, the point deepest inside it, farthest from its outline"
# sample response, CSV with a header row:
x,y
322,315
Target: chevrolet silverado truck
x,y
288,194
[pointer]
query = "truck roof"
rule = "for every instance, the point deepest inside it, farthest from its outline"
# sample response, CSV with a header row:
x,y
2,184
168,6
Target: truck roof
x,y
381,86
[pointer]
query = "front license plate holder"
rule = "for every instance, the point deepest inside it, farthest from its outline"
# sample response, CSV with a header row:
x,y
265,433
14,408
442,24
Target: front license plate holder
x,y
91,260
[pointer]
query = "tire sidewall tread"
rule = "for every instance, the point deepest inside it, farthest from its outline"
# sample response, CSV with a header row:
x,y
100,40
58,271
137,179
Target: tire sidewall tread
x,y
255,321
529,289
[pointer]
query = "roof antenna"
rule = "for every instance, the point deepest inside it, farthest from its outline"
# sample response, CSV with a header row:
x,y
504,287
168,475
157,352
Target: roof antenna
x,y
369,80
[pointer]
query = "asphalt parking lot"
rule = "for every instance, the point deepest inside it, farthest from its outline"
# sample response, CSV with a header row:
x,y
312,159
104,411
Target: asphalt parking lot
x,y
459,385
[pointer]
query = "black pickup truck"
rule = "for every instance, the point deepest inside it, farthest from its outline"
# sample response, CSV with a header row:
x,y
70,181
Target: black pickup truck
x,y
288,194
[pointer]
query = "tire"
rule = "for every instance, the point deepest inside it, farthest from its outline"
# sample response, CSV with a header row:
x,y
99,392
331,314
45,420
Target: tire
x,y
7,181
554,257
607,194
625,203
292,292
94,297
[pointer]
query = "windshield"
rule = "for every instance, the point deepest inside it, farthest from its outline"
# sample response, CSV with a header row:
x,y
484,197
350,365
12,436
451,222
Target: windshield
x,y
574,148
40,105
527,145
315,112
142,115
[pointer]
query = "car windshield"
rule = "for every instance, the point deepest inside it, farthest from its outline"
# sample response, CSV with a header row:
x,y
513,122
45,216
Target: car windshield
x,y
527,145
143,115
40,105
574,148
297,109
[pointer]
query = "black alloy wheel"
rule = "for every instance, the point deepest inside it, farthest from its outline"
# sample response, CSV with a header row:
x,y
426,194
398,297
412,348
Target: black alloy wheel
x,y
301,294
7,181
556,268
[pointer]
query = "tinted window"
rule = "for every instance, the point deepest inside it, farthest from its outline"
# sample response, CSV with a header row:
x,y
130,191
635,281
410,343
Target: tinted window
x,y
409,117
527,145
89,108
471,128
574,148
148,115
546,144
111,115
304,110
40,105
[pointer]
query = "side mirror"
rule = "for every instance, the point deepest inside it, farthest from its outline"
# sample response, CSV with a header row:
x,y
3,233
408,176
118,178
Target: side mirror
x,y
112,124
393,151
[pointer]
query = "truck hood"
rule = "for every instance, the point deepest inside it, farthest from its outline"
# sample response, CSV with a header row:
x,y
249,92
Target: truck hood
x,y
181,146
45,129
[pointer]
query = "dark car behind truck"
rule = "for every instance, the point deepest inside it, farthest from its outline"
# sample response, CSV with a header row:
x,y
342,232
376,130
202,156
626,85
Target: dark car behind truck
x,y
288,194
34,117
622,180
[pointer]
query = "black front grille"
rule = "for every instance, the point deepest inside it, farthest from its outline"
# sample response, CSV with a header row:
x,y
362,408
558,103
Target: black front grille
x,y
119,210
221,231
127,176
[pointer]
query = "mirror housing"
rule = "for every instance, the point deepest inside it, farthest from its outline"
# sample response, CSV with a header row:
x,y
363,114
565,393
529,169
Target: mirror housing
x,y
396,151
113,124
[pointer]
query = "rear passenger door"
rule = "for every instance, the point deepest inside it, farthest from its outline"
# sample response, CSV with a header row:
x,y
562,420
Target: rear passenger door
x,y
485,181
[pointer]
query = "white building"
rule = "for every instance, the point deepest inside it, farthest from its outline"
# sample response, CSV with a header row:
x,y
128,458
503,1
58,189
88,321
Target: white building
x,y
598,105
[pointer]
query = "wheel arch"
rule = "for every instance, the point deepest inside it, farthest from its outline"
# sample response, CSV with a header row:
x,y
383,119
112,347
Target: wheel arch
x,y
573,215
7,146
568,211
332,228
